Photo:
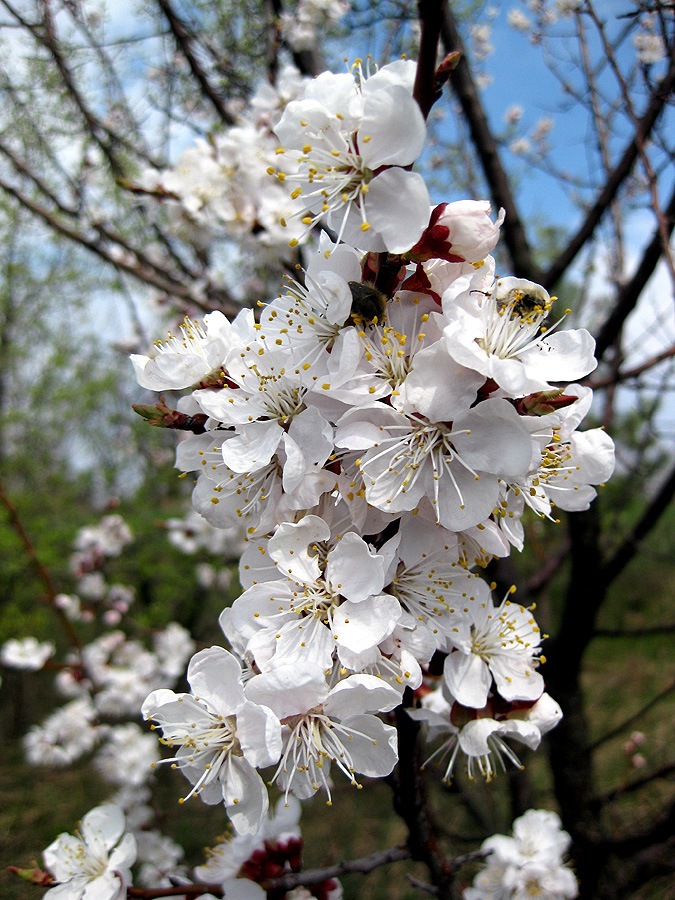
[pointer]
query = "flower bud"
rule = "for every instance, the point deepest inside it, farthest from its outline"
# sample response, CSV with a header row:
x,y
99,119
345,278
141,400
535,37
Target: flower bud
x,y
458,232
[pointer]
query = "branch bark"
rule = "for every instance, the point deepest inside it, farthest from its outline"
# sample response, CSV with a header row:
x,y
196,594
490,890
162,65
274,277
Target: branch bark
x,y
465,88
616,178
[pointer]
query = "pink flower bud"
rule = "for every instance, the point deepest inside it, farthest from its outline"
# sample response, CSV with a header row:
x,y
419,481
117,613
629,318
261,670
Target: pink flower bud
x,y
459,232
638,761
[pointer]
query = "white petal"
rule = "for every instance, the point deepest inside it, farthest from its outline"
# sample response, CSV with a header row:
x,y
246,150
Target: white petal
x,y
253,447
354,570
374,750
360,694
290,547
259,733
468,678
360,626
397,206
396,128
215,677
245,795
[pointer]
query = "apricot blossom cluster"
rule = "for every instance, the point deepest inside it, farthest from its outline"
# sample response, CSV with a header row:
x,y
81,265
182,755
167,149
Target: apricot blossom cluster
x,y
379,430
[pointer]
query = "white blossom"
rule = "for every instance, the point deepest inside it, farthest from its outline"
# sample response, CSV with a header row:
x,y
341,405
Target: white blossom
x,y
220,737
26,653
95,864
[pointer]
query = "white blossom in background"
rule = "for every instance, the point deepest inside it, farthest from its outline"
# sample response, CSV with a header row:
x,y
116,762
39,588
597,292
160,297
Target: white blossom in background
x,y
527,865
126,755
96,862
64,736
158,857
519,21
26,653
481,36
513,114
302,27
650,47
520,147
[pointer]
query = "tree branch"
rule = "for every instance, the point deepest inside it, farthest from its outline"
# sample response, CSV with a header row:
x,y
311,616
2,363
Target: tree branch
x,y
629,294
616,178
632,719
316,876
465,88
430,14
410,802
184,40
182,293
43,572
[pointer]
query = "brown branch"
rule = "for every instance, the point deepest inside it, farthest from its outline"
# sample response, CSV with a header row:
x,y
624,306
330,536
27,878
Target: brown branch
x,y
348,867
538,581
182,890
635,372
634,632
430,14
181,293
465,88
184,40
42,571
24,170
644,156
629,294
293,879
619,174
601,126
411,803
632,786
106,138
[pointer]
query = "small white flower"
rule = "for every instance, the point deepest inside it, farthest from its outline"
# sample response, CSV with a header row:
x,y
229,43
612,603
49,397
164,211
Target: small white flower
x,y
126,755
26,653
352,140
502,335
519,21
220,737
183,360
501,643
513,114
528,865
96,863
650,47
323,726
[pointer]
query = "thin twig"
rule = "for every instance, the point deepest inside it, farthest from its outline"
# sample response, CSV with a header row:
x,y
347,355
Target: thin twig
x,y
619,174
632,719
348,867
43,572
184,40
465,87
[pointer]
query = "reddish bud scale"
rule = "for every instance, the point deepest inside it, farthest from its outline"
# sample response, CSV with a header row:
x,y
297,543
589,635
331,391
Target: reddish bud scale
x,y
419,281
434,243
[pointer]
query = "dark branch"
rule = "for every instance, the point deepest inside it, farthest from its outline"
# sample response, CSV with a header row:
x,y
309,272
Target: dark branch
x,y
631,544
616,178
464,86
629,294
185,40
431,18
316,876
